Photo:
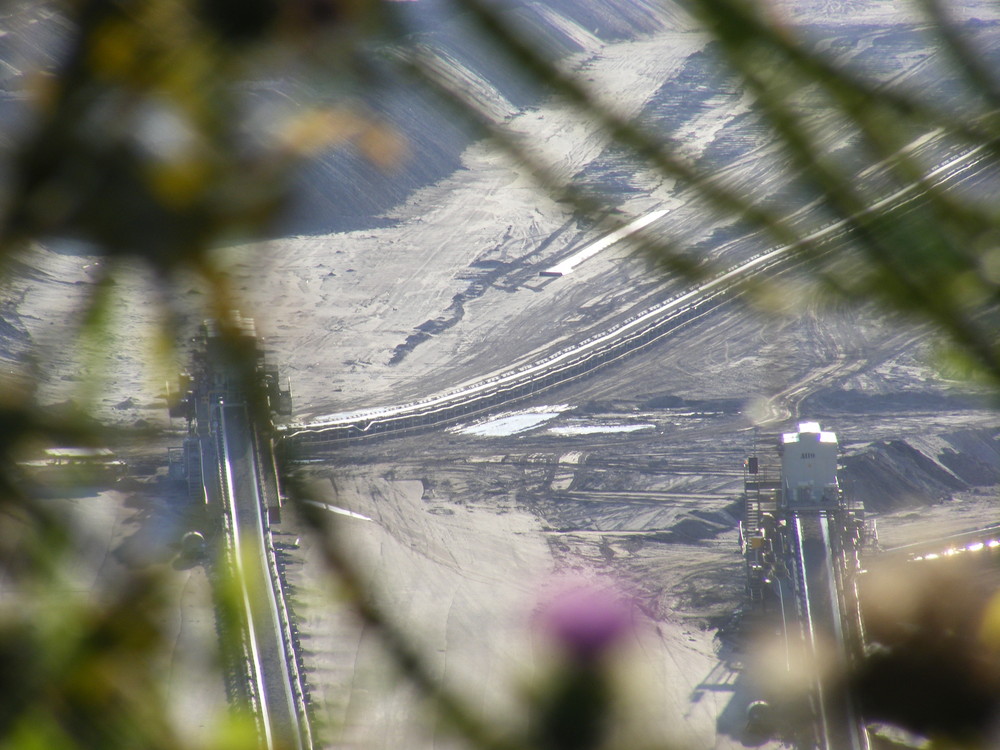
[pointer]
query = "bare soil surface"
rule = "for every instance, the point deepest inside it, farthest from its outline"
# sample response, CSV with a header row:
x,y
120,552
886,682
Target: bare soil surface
x,y
633,475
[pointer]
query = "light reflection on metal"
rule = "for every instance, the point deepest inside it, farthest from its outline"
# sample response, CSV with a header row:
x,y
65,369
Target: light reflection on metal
x,y
952,551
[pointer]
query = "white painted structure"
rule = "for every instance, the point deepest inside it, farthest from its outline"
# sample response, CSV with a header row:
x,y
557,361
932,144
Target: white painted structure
x,y
809,466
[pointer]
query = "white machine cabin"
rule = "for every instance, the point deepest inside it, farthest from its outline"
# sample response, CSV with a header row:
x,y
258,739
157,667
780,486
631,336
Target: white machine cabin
x,y
809,466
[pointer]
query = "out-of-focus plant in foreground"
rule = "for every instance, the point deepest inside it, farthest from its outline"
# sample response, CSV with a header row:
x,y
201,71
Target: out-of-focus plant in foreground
x,y
152,138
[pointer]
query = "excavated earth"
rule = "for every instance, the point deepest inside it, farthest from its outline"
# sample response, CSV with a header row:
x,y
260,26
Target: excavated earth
x,y
386,288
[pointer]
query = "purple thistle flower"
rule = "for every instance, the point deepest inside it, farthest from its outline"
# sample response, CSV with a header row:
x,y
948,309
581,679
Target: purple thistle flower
x,y
586,619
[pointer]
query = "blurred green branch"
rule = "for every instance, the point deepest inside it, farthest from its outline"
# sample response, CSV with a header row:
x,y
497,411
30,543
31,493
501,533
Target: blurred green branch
x,y
411,663
88,168
887,120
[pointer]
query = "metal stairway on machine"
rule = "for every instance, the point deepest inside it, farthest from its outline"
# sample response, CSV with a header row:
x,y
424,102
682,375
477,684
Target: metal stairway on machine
x,y
193,468
761,488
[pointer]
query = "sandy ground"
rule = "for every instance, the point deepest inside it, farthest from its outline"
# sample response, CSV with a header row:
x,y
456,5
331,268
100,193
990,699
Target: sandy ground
x,y
470,606
467,529
400,311
633,476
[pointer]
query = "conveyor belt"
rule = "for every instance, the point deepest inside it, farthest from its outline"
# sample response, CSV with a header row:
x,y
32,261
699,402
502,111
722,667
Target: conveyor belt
x,y
821,605
274,687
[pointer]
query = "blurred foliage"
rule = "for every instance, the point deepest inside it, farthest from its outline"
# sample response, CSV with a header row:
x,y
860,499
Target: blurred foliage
x,y
934,669
143,141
